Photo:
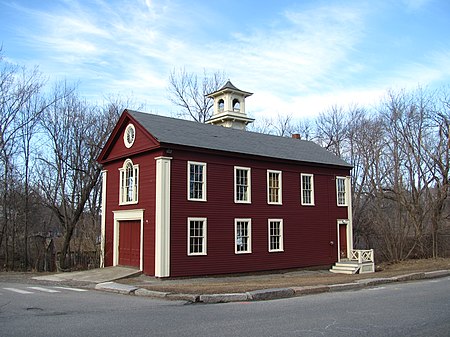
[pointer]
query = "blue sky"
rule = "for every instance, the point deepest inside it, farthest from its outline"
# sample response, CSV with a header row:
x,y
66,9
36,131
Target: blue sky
x,y
297,57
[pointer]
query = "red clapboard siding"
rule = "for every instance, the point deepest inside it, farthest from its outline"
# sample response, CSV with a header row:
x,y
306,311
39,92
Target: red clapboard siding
x,y
146,201
308,230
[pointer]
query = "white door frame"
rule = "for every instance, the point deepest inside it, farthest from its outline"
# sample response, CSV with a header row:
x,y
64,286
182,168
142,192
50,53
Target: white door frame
x,y
345,222
133,214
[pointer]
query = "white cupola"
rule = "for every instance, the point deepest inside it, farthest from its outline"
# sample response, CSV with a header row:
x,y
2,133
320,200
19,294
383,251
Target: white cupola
x,y
229,107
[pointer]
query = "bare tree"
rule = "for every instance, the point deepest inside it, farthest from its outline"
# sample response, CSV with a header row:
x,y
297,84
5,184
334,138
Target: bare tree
x,y
77,132
281,125
188,91
438,153
331,130
305,128
29,120
18,86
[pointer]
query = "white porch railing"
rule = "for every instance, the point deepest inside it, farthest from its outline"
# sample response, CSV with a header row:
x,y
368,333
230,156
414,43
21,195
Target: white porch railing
x,y
362,256
360,261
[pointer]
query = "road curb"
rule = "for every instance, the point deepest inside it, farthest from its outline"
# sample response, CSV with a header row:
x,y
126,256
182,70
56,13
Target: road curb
x,y
116,288
309,290
223,298
437,273
268,294
150,293
345,286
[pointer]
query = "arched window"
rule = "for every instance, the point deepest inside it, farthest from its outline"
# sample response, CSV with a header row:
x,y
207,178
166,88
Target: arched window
x,y
236,105
129,175
221,105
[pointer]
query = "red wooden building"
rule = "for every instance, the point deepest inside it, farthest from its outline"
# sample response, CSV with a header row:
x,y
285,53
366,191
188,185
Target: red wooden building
x,y
182,198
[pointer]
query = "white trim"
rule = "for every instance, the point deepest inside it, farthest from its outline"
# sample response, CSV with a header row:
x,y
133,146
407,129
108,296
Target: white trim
x,y
346,192
189,163
281,249
249,185
345,222
103,219
205,236
122,172
162,217
249,229
133,214
125,134
349,213
280,190
312,189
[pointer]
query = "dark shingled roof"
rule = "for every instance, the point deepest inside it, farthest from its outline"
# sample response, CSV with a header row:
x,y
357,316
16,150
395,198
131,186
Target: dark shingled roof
x,y
205,136
230,86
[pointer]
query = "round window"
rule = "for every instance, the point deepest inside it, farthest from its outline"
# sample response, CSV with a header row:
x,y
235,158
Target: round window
x,y
129,135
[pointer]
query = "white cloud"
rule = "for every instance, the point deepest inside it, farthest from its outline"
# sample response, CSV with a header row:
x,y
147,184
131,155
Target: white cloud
x,y
299,62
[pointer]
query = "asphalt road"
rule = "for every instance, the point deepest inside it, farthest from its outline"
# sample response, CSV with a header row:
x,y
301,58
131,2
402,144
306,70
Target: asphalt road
x,y
420,308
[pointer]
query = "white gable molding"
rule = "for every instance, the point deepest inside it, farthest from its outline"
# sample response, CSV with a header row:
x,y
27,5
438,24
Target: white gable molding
x,y
133,214
162,217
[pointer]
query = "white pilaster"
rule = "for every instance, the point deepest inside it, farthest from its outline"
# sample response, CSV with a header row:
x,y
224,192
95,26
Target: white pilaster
x,y
349,216
162,217
103,219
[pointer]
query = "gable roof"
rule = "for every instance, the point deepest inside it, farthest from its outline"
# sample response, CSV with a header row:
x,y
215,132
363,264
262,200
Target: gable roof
x,y
175,131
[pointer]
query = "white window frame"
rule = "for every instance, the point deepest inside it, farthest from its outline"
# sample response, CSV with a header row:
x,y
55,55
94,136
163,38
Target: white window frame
x,y
204,237
123,200
280,187
302,187
203,198
339,196
130,128
281,248
249,236
249,185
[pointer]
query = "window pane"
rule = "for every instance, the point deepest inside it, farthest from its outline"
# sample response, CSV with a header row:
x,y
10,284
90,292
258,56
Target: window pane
x,y
275,235
196,181
307,189
196,236
274,187
242,185
242,236
129,183
341,197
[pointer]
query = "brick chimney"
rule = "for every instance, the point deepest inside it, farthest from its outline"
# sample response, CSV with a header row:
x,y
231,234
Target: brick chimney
x,y
296,136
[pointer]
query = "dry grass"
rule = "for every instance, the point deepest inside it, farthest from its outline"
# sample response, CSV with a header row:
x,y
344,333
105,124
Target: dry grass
x,y
291,278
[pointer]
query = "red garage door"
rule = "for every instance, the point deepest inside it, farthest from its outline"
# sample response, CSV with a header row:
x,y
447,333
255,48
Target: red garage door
x,y
129,243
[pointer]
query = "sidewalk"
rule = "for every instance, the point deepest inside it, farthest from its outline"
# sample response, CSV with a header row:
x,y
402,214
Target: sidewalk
x,y
239,287
185,289
98,275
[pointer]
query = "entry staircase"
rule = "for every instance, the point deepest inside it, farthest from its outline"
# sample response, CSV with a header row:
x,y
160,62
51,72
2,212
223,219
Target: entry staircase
x,y
360,262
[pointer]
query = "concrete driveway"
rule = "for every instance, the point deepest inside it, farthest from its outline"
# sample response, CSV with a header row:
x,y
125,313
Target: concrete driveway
x,y
98,275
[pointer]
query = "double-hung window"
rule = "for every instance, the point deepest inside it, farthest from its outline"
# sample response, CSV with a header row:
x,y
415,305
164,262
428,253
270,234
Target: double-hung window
x,y
275,235
341,191
129,177
307,187
242,187
243,235
196,181
274,187
196,236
